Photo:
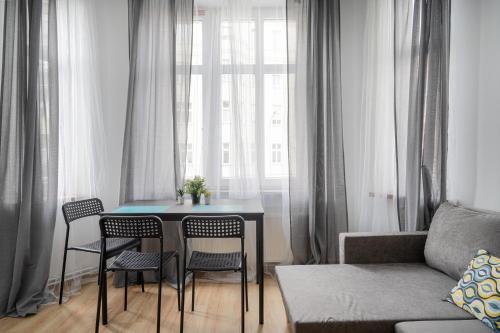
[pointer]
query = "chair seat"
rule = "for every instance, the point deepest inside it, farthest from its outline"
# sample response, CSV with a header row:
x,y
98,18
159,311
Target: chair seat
x,y
139,261
113,246
207,261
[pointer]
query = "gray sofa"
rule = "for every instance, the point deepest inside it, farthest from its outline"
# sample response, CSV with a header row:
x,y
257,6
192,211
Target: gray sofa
x,y
392,282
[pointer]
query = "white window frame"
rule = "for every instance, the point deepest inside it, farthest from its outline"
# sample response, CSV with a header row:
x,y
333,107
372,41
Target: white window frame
x,y
259,17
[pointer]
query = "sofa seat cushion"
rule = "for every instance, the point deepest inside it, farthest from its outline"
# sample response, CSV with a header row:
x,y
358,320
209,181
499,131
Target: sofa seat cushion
x,y
364,298
442,326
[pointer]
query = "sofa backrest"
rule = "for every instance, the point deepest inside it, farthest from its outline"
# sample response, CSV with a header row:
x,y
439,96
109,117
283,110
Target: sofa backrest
x,y
455,235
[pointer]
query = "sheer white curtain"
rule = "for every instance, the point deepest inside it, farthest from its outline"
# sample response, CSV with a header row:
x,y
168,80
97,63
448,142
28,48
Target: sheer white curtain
x,y
157,109
154,117
371,163
82,144
237,133
396,161
403,24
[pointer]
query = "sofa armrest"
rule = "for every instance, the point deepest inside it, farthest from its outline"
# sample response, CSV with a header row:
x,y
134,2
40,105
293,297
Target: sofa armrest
x,y
376,248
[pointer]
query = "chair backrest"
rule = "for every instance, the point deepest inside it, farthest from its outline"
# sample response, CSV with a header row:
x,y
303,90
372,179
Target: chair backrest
x,y
149,226
75,210
228,226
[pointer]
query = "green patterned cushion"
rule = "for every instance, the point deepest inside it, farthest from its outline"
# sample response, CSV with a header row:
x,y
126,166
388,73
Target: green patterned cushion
x,y
478,291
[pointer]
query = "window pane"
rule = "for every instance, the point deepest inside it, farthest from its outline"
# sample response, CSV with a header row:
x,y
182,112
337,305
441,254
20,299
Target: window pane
x,y
237,42
237,104
275,105
275,42
225,153
197,57
195,127
189,153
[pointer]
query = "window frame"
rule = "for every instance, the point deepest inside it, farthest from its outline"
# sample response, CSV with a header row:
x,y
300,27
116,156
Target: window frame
x,y
259,69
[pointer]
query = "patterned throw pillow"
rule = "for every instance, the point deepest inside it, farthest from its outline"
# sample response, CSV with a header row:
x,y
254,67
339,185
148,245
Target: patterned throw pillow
x,y
478,291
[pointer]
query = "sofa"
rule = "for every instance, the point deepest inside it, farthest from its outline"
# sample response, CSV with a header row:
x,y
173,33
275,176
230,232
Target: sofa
x,y
392,282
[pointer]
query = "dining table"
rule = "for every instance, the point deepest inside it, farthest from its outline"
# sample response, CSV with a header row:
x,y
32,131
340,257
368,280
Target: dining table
x,y
169,211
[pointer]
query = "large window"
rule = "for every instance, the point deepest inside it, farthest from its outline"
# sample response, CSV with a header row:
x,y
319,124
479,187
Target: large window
x,y
255,73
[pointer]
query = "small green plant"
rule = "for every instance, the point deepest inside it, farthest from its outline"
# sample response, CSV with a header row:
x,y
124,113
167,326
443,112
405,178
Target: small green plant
x,y
195,187
180,192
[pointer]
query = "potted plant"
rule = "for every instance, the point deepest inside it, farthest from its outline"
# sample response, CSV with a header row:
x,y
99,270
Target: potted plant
x,y
195,187
180,196
207,195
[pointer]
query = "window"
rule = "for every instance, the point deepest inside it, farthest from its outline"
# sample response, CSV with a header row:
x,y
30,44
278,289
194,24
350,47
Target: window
x,y
275,42
276,153
255,49
276,81
276,118
275,105
195,126
197,52
244,33
189,153
225,153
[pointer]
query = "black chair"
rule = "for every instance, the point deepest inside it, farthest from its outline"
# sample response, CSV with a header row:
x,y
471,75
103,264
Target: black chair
x,y
129,261
75,210
229,226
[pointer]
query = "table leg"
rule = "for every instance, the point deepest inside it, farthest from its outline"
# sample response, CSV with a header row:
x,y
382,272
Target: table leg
x,y
104,282
260,265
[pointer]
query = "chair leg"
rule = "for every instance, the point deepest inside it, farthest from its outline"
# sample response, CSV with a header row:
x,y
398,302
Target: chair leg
x,y
99,276
99,300
61,288
183,300
140,275
192,294
246,282
242,301
126,285
159,301
104,284
178,282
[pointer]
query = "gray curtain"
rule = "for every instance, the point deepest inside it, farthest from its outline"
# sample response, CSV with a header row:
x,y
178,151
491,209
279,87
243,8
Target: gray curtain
x,y
28,153
425,151
153,166
318,209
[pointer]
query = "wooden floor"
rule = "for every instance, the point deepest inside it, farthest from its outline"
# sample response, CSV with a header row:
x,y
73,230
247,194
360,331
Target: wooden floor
x,y
217,310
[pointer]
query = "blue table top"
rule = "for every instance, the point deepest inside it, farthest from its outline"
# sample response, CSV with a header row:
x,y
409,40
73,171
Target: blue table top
x,y
217,208
141,209
165,209
169,207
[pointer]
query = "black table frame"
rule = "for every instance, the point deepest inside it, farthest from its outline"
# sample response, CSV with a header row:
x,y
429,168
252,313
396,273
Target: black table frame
x,y
258,217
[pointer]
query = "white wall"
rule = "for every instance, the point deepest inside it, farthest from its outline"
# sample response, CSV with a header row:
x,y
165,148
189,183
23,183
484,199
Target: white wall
x,y
474,132
464,65
488,153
